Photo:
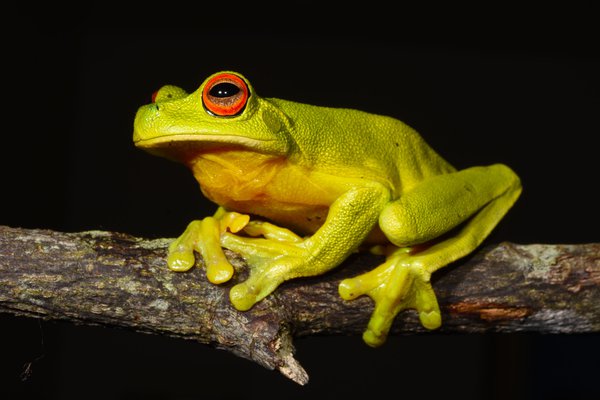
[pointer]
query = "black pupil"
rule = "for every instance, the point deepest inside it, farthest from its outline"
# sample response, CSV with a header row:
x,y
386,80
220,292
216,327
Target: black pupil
x,y
224,89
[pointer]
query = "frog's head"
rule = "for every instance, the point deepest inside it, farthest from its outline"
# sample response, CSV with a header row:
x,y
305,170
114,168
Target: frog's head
x,y
223,112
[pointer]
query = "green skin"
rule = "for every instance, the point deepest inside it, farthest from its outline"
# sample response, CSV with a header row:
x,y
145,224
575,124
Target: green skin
x,y
328,180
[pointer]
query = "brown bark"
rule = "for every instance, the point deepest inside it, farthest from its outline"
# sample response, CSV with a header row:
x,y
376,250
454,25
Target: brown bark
x,y
115,279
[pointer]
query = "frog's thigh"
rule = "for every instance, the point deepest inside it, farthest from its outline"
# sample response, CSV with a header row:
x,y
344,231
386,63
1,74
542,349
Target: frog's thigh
x,y
478,196
443,202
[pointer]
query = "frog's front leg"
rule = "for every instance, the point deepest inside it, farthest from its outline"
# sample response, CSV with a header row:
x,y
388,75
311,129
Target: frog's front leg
x,y
473,200
279,256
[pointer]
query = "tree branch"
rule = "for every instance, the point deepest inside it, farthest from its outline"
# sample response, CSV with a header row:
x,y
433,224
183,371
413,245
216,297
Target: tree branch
x,y
119,280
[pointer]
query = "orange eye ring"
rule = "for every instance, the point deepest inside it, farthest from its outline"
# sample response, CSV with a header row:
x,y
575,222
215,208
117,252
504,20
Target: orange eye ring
x,y
225,95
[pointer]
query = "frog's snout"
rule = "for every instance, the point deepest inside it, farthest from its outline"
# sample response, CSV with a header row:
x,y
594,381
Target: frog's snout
x,y
147,119
142,124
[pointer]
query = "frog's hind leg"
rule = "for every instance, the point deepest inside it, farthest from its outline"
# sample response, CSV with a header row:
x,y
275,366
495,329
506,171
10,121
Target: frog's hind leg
x,y
473,201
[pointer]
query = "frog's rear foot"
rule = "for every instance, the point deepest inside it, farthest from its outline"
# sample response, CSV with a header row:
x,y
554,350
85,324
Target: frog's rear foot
x,y
398,284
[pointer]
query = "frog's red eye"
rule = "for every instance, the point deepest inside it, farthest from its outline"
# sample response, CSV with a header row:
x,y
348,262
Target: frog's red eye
x,y
225,95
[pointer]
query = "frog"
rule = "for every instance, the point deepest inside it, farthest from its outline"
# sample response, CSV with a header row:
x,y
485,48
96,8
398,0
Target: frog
x,y
299,188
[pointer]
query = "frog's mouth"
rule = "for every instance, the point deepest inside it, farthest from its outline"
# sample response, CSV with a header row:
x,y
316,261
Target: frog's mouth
x,y
182,147
198,140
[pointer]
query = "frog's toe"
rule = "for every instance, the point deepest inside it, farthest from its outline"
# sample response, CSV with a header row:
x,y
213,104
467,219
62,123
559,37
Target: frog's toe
x,y
426,304
181,260
219,271
350,289
244,295
378,328
366,283
373,339
431,319
181,255
270,231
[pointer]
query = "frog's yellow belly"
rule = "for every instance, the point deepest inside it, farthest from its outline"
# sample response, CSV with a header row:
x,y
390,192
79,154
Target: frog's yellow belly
x,y
270,187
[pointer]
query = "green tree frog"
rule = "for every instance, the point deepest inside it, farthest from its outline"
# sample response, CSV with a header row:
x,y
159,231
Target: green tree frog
x,y
320,183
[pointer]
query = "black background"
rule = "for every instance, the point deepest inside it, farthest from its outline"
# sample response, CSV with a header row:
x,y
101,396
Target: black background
x,y
481,85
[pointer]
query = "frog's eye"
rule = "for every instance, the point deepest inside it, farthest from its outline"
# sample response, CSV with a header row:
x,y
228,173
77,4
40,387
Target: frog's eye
x,y
225,95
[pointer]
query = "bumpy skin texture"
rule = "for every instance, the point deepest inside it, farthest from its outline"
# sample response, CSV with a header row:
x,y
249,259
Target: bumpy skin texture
x,y
300,187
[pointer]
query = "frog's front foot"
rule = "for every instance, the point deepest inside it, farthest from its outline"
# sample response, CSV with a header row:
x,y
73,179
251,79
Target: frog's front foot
x,y
204,236
274,254
275,257
263,280
398,284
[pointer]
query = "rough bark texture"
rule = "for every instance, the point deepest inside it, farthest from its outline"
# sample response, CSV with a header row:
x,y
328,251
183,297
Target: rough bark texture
x,y
119,280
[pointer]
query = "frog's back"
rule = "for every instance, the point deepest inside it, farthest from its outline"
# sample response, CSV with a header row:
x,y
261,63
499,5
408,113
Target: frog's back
x,y
408,155
350,142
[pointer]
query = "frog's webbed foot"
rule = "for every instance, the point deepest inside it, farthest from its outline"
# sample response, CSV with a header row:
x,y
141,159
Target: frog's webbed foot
x,y
204,236
398,284
273,254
